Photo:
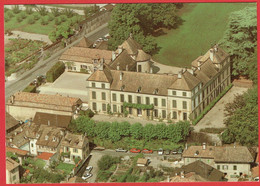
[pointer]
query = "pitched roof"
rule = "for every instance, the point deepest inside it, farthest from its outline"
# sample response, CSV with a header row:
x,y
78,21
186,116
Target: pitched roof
x,y
190,177
53,120
202,169
142,56
85,43
17,151
131,46
186,82
73,141
123,59
45,99
142,161
198,152
103,45
11,164
108,7
101,75
85,55
10,121
45,156
239,154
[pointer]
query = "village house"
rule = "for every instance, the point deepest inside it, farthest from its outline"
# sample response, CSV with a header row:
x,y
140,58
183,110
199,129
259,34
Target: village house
x,y
181,96
12,171
232,161
24,105
74,146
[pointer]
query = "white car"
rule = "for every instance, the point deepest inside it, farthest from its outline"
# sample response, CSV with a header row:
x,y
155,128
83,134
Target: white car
x,y
160,151
86,176
121,150
89,168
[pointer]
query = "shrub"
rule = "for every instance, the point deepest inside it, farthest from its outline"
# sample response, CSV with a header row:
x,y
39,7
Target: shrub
x,y
44,21
63,18
31,20
88,113
16,9
55,71
30,88
107,161
23,15
42,10
55,12
36,17
7,18
10,14
6,10
50,18
103,176
19,18
29,10
57,21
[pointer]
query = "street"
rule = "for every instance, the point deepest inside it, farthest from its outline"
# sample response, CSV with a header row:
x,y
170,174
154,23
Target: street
x,y
43,66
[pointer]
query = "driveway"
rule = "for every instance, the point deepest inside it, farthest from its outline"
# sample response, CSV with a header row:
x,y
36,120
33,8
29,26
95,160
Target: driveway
x,y
215,117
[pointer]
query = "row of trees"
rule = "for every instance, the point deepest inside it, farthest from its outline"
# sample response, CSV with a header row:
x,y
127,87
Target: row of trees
x,y
115,131
242,119
240,41
141,20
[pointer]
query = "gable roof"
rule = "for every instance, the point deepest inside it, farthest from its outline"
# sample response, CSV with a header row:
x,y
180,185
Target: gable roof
x,y
101,75
17,151
131,46
123,59
85,43
45,156
73,141
11,164
54,120
206,153
10,121
142,56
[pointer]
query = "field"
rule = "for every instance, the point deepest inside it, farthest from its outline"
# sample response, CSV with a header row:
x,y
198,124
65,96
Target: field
x,y
203,25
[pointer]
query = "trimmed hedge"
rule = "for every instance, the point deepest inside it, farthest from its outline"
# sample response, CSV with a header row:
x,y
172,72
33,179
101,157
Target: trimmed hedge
x,y
55,72
138,106
30,88
209,107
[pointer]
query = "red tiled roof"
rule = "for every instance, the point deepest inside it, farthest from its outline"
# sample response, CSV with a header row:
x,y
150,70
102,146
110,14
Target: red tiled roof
x,y
17,151
45,156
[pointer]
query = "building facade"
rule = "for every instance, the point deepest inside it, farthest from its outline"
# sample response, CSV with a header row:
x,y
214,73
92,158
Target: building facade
x,y
12,171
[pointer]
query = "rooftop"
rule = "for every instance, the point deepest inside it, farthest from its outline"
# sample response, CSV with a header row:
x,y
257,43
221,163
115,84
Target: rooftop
x,y
11,164
85,43
10,121
17,151
131,46
73,141
45,156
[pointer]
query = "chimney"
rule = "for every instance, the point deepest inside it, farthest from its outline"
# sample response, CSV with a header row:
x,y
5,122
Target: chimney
x,y
121,76
113,55
204,146
120,49
179,74
234,144
192,71
11,140
118,67
186,146
211,54
126,68
12,99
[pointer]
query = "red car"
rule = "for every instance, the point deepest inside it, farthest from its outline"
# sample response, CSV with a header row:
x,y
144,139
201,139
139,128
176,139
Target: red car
x,y
147,151
134,150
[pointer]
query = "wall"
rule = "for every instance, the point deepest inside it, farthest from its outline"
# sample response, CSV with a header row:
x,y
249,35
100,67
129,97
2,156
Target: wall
x,y
241,168
10,176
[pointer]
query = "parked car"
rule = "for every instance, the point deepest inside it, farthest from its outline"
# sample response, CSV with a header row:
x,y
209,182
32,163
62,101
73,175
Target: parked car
x,y
121,150
174,151
134,150
167,152
147,151
86,176
160,151
89,168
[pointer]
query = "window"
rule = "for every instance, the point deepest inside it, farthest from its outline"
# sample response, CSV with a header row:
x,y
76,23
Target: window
x,y
14,177
104,107
114,97
163,102
148,113
147,101
93,95
218,167
114,108
155,101
139,99
31,144
139,68
174,93
122,98
156,113
103,86
184,104
184,116
184,93
174,115
129,98
163,113
130,111
122,109
94,106
93,85
174,103
234,167
103,96
75,150
224,167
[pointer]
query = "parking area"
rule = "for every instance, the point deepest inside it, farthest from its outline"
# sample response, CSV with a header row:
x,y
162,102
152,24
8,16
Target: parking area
x,y
68,84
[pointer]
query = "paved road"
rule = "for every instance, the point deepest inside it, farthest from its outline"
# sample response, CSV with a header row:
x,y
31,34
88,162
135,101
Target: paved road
x,y
43,66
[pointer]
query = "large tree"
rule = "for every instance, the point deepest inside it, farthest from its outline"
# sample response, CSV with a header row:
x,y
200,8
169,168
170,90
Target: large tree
x,y
141,20
242,119
240,40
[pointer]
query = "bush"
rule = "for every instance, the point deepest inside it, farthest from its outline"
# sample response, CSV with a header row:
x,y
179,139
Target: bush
x,y
7,18
29,10
50,18
63,18
88,113
55,71
103,176
107,161
23,15
10,14
57,21
31,20
19,18
30,88
44,21
213,130
16,9
36,17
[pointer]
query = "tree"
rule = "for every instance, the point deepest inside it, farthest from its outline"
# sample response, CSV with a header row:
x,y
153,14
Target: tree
x,y
242,119
55,12
161,131
102,130
83,124
149,132
136,130
63,31
113,133
107,161
240,39
141,20
68,12
42,10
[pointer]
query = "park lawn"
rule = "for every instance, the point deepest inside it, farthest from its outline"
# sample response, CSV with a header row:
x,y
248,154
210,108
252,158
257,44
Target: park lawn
x,y
65,167
204,25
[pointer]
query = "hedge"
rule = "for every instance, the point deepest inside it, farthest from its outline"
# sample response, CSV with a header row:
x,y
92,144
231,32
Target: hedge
x,y
209,107
138,106
30,88
55,71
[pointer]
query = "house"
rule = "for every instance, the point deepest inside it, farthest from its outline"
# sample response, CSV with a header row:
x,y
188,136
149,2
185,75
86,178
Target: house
x,y
74,146
232,161
12,171
24,105
53,120
141,162
181,96
11,123
207,172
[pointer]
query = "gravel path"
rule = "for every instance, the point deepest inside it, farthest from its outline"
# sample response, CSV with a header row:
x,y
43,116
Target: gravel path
x,y
26,35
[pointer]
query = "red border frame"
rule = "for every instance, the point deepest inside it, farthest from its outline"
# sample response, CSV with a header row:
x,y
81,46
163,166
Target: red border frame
x,y
2,77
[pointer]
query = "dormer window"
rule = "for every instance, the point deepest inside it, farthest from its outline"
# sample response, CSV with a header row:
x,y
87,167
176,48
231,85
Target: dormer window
x,y
53,139
122,88
139,89
156,91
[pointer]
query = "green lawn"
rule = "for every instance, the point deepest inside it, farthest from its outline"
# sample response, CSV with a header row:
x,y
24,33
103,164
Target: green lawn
x,y
204,24
65,167
40,163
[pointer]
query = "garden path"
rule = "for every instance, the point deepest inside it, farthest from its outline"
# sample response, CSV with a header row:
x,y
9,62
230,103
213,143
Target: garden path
x,y
26,35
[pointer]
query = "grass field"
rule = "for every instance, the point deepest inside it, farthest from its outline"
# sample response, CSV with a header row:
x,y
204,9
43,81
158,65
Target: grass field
x,y
65,167
204,24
